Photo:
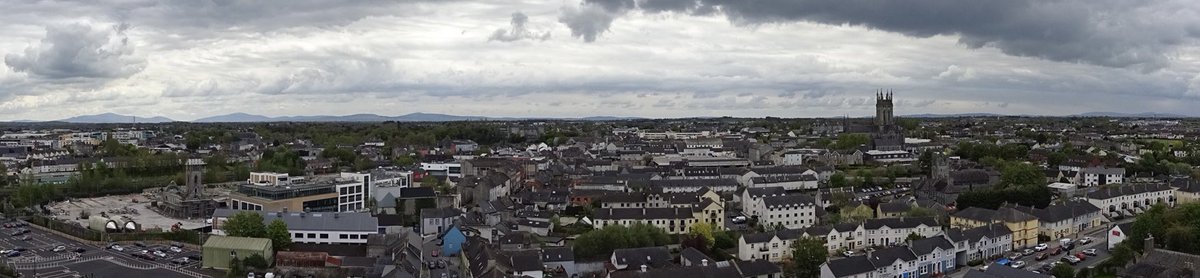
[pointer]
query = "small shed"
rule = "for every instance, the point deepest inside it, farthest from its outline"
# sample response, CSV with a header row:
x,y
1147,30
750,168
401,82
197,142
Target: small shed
x,y
219,250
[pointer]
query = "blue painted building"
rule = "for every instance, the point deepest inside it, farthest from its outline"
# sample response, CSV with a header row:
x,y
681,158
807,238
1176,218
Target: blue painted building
x,y
452,241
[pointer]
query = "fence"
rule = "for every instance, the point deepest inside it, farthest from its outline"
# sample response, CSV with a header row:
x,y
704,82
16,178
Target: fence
x,y
192,239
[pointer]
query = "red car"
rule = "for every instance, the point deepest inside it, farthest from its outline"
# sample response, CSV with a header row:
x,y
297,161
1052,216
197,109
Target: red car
x,y
1056,251
1081,256
1041,256
435,252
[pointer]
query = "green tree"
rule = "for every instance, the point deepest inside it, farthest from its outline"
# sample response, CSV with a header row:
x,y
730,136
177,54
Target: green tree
x,y
245,224
1021,174
837,180
704,231
856,214
278,233
807,254
847,141
913,236
256,261
920,212
236,270
1063,271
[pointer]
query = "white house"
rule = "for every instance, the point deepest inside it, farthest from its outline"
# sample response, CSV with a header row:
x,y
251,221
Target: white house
x,y
313,227
1093,176
1131,199
981,243
921,258
1118,233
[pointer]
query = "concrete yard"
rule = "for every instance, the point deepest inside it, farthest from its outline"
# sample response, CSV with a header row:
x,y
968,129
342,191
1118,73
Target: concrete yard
x,y
117,206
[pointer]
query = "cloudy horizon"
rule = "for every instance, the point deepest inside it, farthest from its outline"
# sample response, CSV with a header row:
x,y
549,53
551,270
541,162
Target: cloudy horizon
x,y
186,60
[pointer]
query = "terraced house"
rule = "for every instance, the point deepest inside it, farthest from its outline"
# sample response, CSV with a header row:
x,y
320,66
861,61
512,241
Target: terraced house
x,y
1064,220
1131,199
926,257
1023,226
706,207
873,232
981,243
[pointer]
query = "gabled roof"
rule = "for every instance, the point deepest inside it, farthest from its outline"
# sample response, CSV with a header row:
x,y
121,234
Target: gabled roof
x,y
756,268
314,221
887,256
994,230
653,257
1126,190
926,246
710,271
756,192
694,256
788,201
558,254
899,223
850,266
894,207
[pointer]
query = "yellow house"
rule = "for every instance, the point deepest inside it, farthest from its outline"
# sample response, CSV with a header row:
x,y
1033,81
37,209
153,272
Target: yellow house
x,y
1024,227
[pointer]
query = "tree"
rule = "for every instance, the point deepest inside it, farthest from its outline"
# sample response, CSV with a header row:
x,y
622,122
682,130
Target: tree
x,y
235,268
278,233
1063,271
1021,174
256,261
920,212
724,240
807,254
245,224
856,214
837,180
430,181
704,232
913,236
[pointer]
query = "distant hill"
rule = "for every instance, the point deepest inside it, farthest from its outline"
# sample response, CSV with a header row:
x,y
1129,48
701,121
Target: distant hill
x,y
108,118
413,117
1130,115
952,115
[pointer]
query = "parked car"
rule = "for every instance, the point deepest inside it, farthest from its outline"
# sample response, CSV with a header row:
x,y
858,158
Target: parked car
x,y
160,254
849,253
195,257
180,261
1014,256
1089,252
80,250
140,244
25,238
1041,247
1081,256
1085,240
176,249
1027,252
20,249
1056,251
1041,256
435,253
60,248
1018,264
117,247
1071,260
13,254
176,244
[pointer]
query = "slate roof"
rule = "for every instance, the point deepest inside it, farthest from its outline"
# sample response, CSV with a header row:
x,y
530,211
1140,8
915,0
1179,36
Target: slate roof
x,y
899,223
785,234
532,223
1103,171
314,221
439,212
1186,185
755,192
694,182
1125,190
757,268
1059,212
652,257
416,192
789,200
694,256
977,214
642,213
994,230
783,178
850,266
779,170
710,271
926,246
1002,271
894,207
528,260
558,254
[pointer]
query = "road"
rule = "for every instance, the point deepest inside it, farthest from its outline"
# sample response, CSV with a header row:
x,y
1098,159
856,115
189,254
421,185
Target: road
x,y
452,267
1099,242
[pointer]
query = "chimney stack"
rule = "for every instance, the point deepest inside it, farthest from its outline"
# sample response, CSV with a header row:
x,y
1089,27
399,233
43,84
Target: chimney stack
x,y
704,262
643,268
1148,245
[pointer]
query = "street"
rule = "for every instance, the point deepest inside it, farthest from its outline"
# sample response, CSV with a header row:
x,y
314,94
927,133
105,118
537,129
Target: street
x,y
1099,242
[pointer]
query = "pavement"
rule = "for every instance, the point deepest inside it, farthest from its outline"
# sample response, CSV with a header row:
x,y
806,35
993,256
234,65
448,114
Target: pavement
x,y
40,260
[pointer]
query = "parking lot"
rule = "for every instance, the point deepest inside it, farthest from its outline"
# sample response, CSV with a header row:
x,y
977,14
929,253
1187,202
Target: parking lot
x,y
39,253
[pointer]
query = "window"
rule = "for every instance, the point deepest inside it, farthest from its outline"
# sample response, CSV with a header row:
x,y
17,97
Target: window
x,y
325,236
343,236
312,235
299,235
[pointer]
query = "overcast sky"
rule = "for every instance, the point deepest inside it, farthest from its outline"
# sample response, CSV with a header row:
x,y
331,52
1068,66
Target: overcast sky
x,y
187,59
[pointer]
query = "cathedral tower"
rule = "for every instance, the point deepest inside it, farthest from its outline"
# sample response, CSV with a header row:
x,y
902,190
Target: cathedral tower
x,y
883,109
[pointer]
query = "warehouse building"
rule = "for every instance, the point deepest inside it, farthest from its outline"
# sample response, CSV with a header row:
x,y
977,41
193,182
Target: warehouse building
x,y
219,250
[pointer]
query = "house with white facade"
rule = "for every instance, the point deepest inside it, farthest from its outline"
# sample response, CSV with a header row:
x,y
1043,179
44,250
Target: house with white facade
x,y
926,257
981,243
789,211
313,227
790,182
1094,176
1131,199
893,231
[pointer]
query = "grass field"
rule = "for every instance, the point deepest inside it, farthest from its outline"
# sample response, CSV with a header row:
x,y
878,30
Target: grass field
x,y
1171,143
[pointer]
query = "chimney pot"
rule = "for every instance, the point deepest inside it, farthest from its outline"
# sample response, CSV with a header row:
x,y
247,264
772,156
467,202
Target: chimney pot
x,y
704,262
643,268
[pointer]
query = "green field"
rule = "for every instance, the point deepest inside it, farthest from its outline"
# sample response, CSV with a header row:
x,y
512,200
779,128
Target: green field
x,y
1171,143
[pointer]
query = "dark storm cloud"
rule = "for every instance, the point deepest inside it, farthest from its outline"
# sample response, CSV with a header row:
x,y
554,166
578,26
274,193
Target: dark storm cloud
x,y
518,31
78,51
1113,33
